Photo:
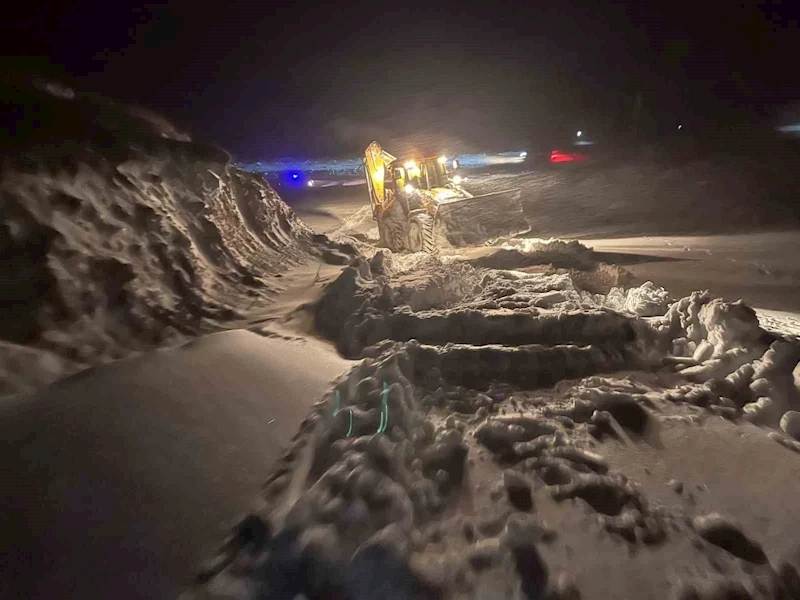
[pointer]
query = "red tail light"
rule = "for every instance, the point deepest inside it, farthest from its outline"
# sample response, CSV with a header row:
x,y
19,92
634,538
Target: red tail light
x,y
557,156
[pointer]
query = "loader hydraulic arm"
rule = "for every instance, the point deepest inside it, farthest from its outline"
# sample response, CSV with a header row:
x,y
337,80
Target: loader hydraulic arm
x,y
376,164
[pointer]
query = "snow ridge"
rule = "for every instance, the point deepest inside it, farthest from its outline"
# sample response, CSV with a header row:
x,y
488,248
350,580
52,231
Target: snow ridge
x,y
124,237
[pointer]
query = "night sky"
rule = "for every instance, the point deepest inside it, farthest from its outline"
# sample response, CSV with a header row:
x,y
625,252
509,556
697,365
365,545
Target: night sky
x,y
283,79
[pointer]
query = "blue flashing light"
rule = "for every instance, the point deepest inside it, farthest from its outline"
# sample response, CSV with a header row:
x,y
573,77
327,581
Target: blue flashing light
x,y
294,172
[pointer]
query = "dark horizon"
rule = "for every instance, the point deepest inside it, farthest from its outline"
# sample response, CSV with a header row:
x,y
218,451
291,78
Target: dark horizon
x,y
281,80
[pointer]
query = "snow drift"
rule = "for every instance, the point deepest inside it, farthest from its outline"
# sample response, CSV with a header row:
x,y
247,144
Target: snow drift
x,y
117,234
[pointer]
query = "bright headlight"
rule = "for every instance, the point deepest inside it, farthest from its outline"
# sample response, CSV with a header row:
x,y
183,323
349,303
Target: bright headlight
x,y
408,188
442,160
310,183
457,179
410,165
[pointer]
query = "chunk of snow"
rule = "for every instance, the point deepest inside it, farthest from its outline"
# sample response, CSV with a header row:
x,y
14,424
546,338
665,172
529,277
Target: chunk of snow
x,y
646,300
566,254
790,424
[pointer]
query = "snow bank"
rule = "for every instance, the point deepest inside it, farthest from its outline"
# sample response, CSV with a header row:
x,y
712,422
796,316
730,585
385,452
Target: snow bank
x,y
526,252
741,368
359,230
360,221
542,246
421,474
117,234
482,395
437,304
359,497
717,346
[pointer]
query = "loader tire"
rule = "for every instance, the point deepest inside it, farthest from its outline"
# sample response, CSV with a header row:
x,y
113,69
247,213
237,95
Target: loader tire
x,y
421,234
393,228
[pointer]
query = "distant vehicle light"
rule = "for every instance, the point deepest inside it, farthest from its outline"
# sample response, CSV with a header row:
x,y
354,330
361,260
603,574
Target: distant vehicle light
x,y
557,156
580,133
295,176
457,179
455,164
310,183
410,165
523,154
680,126
409,188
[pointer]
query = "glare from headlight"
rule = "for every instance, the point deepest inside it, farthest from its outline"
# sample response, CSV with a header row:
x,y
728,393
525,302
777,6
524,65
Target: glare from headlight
x,y
442,160
310,183
457,179
523,154
410,165
409,188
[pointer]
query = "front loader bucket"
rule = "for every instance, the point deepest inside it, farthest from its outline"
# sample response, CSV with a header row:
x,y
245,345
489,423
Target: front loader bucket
x,y
473,221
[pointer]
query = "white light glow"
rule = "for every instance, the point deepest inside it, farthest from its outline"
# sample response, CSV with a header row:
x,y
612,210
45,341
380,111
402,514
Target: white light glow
x,y
457,179
408,188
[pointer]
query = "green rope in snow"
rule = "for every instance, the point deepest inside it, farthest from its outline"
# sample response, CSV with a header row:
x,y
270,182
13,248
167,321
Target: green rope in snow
x,y
384,409
338,408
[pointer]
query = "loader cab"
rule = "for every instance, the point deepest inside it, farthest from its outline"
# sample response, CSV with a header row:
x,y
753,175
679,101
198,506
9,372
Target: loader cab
x,y
424,175
435,171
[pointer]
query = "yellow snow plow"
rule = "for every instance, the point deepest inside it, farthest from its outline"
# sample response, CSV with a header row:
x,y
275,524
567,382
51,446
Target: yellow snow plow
x,y
420,207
